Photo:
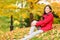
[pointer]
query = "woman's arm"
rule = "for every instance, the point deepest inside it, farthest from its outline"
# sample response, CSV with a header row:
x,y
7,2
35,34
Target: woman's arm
x,y
33,23
45,21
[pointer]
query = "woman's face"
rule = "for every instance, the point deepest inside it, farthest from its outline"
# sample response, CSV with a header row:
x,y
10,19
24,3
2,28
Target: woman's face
x,y
47,9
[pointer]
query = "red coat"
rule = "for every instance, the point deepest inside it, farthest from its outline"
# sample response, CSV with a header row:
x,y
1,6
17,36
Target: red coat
x,y
46,24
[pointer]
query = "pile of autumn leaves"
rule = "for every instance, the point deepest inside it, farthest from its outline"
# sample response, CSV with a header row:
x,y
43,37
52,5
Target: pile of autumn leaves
x,y
18,33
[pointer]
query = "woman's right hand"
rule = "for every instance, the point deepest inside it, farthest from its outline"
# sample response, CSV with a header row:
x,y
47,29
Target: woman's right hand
x,y
33,23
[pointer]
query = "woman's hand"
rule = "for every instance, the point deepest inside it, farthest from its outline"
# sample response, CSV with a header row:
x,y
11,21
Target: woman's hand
x,y
33,23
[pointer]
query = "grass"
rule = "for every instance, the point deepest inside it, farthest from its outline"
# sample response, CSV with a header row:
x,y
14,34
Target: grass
x,y
4,23
17,33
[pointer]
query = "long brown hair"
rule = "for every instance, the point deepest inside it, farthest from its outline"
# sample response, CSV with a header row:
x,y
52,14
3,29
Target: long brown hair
x,y
45,12
45,8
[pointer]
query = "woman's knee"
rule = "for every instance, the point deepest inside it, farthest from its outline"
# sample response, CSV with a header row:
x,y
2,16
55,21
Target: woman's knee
x,y
33,23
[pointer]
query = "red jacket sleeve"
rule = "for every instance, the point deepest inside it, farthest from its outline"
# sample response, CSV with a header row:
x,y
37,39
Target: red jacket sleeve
x,y
45,21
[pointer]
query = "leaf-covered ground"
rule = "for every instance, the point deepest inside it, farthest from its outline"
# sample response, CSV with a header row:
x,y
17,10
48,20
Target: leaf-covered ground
x,y
19,33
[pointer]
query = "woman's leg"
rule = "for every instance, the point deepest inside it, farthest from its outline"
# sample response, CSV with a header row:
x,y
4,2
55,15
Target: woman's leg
x,y
32,29
33,34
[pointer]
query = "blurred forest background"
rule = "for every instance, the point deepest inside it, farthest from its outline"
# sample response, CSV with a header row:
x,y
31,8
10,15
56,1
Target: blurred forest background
x,y
22,10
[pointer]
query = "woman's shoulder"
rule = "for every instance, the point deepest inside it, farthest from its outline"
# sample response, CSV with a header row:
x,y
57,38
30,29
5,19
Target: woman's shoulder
x,y
50,14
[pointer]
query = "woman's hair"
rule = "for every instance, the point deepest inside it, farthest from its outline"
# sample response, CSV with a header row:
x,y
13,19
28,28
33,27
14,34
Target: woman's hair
x,y
49,7
45,12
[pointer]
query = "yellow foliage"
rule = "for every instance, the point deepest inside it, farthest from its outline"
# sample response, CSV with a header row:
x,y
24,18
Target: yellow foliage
x,y
33,1
56,8
10,7
1,32
24,15
55,3
16,22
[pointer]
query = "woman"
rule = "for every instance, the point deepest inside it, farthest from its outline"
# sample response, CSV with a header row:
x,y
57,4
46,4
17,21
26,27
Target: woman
x,y
41,25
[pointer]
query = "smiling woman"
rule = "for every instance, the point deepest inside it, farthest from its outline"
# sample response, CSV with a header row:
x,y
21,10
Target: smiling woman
x,y
21,9
41,25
